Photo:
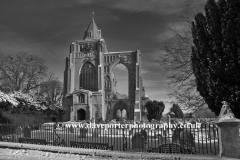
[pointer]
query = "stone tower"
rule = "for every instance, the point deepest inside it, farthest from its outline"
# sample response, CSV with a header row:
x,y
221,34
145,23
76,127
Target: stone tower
x,y
89,81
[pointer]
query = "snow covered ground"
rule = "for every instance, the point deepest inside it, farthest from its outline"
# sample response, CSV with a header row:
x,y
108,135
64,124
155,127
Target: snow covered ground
x,y
17,154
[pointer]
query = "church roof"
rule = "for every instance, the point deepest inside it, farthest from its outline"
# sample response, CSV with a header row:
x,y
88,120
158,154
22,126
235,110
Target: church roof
x,y
92,31
87,40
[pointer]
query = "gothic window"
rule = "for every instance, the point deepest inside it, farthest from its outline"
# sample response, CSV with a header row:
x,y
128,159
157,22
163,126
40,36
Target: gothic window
x,y
81,47
81,98
88,77
90,34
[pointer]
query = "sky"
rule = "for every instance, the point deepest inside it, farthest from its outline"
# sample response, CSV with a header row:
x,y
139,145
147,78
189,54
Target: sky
x,y
47,28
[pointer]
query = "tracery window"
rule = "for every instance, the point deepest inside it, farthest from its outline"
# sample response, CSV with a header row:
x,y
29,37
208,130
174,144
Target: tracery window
x,y
88,77
81,98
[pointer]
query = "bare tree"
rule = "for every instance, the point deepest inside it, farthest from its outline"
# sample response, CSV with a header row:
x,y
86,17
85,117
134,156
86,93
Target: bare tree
x,y
176,59
52,90
21,72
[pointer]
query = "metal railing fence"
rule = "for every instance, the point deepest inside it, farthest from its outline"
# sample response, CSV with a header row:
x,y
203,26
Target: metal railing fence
x,y
191,140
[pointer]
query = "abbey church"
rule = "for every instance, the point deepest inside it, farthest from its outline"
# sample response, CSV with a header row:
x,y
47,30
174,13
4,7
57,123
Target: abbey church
x,y
90,84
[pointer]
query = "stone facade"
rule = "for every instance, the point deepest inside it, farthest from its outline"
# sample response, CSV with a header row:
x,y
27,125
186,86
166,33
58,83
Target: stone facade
x,y
90,84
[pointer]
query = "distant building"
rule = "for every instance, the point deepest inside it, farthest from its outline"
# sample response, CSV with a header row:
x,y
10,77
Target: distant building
x,y
90,84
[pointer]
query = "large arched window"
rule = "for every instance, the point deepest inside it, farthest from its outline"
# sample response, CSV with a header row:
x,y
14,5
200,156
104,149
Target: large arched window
x,y
88,77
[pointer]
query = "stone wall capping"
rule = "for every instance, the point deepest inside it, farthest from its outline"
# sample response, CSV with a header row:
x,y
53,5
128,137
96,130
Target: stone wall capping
x,y
226,114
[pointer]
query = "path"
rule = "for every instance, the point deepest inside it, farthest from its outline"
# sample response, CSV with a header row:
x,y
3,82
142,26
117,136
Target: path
x,y
17,154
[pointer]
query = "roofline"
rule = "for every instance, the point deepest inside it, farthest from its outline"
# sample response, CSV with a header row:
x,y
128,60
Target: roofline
x,y
119,52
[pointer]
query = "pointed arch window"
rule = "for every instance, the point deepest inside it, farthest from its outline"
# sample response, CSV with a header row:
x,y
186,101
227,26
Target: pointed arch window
x,y
88,77
81,98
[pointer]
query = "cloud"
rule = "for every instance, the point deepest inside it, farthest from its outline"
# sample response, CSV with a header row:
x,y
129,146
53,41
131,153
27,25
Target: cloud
x,y
46,28
108,16
144,71
121,71
161,81
164,36
120,67
166,7
12,43
168,33
152,6
85,1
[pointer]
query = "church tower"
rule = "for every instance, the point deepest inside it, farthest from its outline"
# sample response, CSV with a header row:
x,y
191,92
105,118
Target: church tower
x,y
89,82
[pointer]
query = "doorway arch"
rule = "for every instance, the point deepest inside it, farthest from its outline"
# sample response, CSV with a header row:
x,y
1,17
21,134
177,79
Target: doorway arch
x,y
120,110
81,114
